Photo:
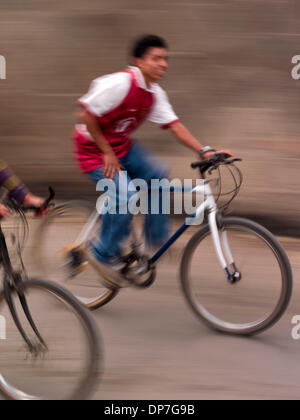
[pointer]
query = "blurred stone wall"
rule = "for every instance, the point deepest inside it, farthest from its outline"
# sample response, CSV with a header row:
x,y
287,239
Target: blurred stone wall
x,y
229,80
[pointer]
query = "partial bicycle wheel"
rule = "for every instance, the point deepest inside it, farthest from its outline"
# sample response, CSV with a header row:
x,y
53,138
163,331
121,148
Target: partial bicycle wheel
x,y
70,367
258,299
58,252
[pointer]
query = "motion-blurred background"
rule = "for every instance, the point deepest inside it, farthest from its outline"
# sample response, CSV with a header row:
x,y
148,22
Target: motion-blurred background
x,y
229,80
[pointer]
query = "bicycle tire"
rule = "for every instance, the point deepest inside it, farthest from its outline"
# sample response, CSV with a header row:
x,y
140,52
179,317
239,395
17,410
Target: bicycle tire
x,y
274,246
91,369
65,210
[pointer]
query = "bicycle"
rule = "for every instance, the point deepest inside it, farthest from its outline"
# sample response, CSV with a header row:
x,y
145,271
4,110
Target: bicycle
x,y
245,293
50,347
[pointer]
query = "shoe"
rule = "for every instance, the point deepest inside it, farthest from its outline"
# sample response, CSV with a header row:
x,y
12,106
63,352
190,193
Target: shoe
x,y
76,261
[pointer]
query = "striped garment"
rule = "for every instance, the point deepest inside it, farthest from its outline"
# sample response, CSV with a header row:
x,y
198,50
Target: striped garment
x,y
17,190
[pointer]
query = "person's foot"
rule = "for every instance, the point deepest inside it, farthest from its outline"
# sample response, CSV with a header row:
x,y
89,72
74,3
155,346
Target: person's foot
x,y
76,261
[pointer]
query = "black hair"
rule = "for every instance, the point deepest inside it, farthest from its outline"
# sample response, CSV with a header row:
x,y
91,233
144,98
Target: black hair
x,y
143,43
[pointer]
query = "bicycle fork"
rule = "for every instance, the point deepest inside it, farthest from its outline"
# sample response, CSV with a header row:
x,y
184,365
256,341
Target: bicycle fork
x,y
17,285
221,243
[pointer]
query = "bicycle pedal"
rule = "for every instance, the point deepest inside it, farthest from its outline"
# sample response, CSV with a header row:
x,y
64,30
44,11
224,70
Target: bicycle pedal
x,y
140,282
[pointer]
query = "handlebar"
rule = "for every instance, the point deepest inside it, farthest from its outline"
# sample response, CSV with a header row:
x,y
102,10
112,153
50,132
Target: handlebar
x,y
39,211
43,209
213,163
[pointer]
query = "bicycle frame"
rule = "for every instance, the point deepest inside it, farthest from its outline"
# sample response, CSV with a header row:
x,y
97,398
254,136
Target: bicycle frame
x,y
209,205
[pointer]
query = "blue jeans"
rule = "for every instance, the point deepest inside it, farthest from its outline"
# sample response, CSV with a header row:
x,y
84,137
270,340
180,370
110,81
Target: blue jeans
x,y
138,163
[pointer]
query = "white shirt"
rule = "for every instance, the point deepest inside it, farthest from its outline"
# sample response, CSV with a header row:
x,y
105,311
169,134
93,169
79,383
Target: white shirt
x,y
107,92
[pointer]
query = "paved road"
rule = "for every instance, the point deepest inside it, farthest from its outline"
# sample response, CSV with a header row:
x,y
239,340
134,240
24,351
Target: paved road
x,y
156,349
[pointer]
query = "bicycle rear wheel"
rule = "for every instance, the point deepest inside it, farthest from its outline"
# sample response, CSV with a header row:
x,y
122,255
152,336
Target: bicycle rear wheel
x,y
252,304
70,367
55,240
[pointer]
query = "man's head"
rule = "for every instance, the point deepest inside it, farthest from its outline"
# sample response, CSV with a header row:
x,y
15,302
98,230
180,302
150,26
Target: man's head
x,y
151,56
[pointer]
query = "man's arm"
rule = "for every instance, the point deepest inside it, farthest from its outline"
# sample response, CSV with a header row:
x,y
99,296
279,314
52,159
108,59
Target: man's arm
x,y
111,162
17,190
186,138
163,114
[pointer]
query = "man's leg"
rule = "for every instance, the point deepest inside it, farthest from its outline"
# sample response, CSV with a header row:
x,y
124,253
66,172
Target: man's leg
x,y
140,163
115,227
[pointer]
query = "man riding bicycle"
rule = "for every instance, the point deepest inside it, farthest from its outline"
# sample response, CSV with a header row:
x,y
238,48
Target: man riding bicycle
x,y
113,108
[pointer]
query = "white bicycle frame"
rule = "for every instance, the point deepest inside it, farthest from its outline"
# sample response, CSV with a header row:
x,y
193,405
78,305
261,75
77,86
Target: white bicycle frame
x,y
210,205
220,241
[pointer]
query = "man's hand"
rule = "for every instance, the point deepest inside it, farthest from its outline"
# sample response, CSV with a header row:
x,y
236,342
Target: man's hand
x,y
211,153
4,212
111,164
33,200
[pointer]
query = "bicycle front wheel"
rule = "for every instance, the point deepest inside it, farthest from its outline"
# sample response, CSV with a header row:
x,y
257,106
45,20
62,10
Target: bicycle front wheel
x,y
258,299
69,366
57,238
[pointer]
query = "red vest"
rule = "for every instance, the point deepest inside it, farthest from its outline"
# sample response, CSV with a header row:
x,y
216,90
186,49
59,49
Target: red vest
x,y
116,126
